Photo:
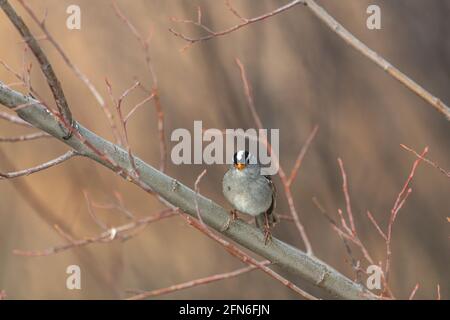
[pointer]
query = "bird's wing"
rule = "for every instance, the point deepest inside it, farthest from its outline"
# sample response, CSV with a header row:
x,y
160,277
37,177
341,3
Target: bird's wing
x,y
274,197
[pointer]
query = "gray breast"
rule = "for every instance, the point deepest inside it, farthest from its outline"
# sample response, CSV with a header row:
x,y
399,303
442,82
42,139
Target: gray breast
x,y
250,194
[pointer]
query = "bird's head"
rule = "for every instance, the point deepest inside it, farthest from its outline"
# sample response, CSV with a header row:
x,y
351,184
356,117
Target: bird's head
x,y
242,159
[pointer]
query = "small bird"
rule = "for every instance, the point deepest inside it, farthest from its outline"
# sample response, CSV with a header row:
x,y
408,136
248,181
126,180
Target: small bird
x,y
250,192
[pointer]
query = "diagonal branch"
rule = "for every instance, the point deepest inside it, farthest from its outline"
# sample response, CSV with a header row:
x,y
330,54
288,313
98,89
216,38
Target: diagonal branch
x,y
25,137
284,179
195,283
431,163
373,56
245,22
336,27
241,255
13,119
145,44
177,195
64,56
106,236
66,156
46,67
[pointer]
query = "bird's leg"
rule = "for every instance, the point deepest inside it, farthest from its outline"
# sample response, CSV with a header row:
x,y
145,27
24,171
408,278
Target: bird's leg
x,y
233,216
267,233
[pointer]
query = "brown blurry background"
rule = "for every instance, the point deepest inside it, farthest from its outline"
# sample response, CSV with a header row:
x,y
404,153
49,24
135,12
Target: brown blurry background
x,y
302,75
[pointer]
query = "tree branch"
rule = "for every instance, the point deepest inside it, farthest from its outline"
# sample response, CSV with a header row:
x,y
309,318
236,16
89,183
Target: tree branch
x,y
46,67
336,27
66,156
244,257
25,137
87,144
194,283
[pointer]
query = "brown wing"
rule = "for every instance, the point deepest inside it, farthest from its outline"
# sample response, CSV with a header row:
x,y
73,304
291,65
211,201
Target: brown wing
x,y
270,212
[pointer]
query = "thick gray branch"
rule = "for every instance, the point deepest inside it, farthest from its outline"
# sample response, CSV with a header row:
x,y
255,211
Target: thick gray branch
x,y
291,259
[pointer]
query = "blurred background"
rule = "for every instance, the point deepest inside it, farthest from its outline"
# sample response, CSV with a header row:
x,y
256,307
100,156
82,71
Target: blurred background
x,y
302,75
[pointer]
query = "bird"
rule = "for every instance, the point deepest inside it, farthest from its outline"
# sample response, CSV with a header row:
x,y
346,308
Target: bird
x,y
250,192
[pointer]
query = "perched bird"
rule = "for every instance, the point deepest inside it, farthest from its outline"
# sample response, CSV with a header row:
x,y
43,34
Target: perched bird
x,y
250,192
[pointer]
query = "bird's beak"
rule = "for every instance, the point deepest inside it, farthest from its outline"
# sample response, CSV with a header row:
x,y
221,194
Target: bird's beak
x,y
239,166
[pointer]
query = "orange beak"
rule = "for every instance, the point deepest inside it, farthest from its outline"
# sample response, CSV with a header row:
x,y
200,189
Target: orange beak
x,y
239,166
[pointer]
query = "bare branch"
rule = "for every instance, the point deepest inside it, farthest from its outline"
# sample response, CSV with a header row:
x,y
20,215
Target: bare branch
x,y
347,196
106,236
344,237
350,233
13,119
301,155
49,37
46,67
177,195
137,107
26,137
197,191
373,56
41,23
336,27
245,22
433,164
281,173
117,206
372,219
399,202
249,94
46,165
123,120
413,292
155,90
91,212
23,79
235,251
195,283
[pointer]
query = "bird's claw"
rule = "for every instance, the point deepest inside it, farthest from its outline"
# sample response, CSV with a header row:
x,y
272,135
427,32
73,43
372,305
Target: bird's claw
x,y
267,236
233,217
267,233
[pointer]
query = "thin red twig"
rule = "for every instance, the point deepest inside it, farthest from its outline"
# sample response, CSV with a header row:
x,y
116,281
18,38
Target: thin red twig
x,y
43,166
145,43
284,179
399,202
13,119
344,237
118,105
116,206
195,283
106,236
347,196
244,22
25,137
413,292
301,155
350,232
235,251
197,191
46,67
433,164
372,219
75,69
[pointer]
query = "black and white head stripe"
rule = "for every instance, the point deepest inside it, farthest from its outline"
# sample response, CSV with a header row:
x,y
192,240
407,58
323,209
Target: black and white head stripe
x,y
242,156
